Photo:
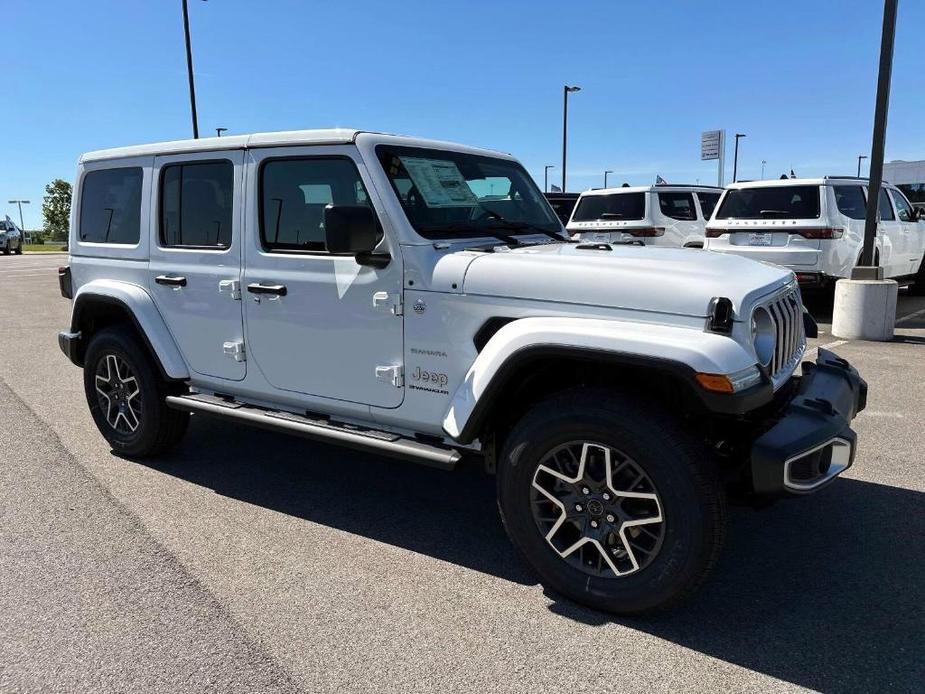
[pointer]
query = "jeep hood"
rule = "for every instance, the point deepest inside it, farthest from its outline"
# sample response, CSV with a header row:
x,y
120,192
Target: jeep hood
x,y
678,281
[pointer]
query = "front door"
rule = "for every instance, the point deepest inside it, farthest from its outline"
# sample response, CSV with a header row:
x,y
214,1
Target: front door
x,y
317,323
911,241
195,268
890,232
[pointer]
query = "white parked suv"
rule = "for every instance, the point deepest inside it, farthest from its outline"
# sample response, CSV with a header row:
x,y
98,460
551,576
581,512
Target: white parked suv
x,y
815,227
661,215
419,299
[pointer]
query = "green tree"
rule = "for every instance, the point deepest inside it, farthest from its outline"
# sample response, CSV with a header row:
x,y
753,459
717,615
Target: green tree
x,y
56,209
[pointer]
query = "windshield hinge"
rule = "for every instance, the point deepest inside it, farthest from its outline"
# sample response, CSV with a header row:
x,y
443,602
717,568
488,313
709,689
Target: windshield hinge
x,y
391,374
389,302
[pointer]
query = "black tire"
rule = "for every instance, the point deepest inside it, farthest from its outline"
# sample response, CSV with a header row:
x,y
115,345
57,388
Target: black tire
x,y
19,249
679,469
6,251
157,427
917,288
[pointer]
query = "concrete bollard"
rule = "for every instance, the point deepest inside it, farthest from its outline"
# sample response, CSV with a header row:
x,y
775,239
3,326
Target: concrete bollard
x,y
865,309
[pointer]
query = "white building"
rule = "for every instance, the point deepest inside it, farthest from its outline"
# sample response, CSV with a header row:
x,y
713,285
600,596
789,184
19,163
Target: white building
x,y
908,176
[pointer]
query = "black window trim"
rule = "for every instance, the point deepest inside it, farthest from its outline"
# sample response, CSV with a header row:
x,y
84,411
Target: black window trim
x,y
661,210
722,201
864,195
80,201
261,238
160,209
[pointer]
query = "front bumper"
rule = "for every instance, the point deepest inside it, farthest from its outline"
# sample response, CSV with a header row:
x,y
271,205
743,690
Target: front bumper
x,y
812,442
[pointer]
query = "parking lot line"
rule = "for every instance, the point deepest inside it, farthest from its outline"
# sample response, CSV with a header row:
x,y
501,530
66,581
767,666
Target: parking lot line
x,y
914,314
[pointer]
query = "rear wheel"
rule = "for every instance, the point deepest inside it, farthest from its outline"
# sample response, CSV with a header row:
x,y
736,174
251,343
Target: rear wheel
x,y
611,502
126,395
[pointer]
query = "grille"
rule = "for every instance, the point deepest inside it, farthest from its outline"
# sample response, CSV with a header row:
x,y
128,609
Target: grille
x,y
787,314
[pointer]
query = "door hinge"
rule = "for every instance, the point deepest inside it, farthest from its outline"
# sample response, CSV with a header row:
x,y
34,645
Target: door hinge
x,y
385,300
391,374
232,287
235,350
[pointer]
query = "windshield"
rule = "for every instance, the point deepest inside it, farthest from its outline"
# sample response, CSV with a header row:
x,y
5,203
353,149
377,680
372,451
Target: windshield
x,y
454,195
777,202
619,207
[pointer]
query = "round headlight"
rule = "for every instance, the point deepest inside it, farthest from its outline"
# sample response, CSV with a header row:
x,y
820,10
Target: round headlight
x,y
764,335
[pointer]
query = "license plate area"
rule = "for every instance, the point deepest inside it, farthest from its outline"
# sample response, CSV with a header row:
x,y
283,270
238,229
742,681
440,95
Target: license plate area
x,y
760,239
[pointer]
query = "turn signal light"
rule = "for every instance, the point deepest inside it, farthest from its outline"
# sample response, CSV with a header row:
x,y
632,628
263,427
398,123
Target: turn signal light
x,y
715,233
819,232
718,383
646,232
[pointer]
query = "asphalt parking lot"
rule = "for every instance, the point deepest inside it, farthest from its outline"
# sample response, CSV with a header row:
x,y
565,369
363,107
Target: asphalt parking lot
x,y
247,561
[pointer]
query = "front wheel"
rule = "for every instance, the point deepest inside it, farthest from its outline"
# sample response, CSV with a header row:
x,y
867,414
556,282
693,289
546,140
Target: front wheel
x,y
126,395
613,504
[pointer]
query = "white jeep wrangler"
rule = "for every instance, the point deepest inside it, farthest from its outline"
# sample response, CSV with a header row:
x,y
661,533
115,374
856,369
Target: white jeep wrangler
x,y
419,299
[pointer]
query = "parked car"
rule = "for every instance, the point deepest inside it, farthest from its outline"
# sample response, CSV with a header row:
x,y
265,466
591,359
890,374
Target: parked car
x,y
10,238
815,227
660,215
417,299
562,204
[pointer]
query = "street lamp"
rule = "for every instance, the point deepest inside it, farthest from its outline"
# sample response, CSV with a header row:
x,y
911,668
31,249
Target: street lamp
x,y
566,90
546,176
735,159
605,176
22,226
189,71
860,157
219,131
763,162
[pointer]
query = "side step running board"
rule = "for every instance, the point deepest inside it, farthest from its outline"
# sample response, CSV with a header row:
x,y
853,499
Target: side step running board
x,y
383,442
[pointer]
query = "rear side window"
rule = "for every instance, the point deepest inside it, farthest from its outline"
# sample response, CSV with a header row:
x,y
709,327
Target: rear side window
x,y
851,201
293,195
110,206
196,203
707,203
886,209
677,205
619,206
777,202
903,208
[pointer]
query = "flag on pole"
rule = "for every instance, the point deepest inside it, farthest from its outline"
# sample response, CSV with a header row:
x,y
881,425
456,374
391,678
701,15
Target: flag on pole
x,y
555,188
659,181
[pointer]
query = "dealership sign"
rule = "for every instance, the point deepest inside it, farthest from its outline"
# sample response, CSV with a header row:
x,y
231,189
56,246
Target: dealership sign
x,y
711,143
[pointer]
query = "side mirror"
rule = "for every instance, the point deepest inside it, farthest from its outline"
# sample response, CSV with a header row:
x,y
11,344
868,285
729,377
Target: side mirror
x,y
353,230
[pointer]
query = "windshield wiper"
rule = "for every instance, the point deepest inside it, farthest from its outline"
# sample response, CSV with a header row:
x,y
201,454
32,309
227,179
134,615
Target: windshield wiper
x,y
521,226
767,212
611,215
466,228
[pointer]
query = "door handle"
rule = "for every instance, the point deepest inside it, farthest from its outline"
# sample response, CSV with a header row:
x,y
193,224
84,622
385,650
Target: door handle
x,y
277,289
171,280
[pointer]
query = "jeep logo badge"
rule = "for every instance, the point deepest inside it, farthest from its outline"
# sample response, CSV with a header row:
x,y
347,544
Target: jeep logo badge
x,y
420,306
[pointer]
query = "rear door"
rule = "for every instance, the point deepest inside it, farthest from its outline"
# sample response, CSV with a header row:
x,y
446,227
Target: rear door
x,y
911,249
195,268
679,216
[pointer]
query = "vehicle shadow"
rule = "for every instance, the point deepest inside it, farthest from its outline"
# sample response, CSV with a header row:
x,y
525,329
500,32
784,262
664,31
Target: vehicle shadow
x,y
824,592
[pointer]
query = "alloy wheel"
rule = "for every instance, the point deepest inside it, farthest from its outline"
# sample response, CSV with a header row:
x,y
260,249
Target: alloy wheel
x,y
117,390
598,509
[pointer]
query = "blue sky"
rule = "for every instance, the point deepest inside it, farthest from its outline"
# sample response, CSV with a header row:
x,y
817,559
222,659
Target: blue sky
x,y
798,77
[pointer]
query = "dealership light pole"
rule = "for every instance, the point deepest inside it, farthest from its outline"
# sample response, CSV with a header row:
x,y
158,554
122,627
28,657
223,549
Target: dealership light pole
x,y
219,131
735,159
566,90
763,162
865,305
22,227
546,176
608,171
860,157
189,71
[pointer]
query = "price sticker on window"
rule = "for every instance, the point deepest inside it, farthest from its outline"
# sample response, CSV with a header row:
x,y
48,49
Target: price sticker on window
x,y
440,182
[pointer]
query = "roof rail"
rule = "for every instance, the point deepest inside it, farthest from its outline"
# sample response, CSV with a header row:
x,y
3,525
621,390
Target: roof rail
x,y
687,185
855,178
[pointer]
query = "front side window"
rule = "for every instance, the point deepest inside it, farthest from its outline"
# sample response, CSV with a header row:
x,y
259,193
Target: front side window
x,y
110,206
903,208
886,209
772,202
457,195
707,203
196,204
677,205
294,193
617,206
850,201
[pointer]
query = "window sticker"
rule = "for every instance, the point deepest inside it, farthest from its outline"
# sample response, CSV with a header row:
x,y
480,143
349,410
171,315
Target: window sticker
x,y
440,182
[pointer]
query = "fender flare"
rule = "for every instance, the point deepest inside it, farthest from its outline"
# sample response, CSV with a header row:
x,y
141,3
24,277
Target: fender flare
x,y
149,322
679,351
